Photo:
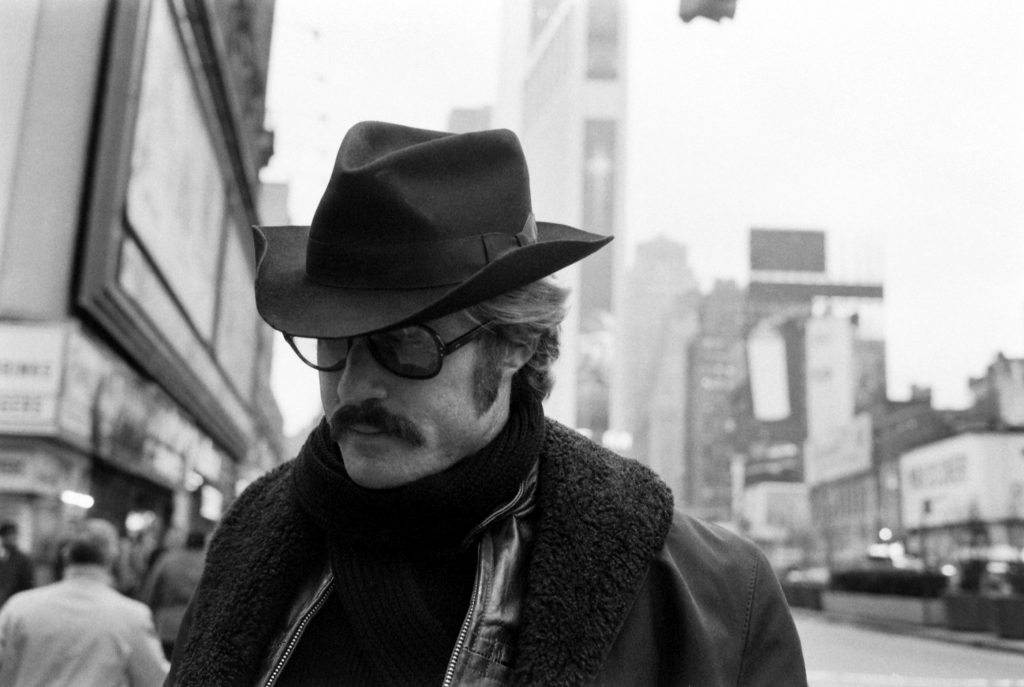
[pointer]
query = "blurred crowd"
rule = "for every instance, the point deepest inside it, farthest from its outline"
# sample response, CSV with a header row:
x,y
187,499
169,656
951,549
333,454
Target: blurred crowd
x,y
111,615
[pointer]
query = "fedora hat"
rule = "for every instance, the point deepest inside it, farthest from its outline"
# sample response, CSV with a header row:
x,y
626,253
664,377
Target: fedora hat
x,y
414,224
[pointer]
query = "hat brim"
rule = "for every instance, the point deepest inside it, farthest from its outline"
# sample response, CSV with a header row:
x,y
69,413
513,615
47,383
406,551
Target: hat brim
x,y
289,302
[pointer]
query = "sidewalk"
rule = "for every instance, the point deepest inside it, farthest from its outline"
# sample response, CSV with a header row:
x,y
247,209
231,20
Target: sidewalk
x,y
985,640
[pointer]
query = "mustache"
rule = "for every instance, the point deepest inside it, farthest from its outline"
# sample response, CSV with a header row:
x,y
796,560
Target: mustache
x,y
373,413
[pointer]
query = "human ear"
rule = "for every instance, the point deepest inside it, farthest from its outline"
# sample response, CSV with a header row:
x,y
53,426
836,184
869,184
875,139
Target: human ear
x,y
515,356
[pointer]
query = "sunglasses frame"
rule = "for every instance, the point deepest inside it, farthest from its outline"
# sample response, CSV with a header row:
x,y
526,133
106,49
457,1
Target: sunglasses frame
x,y
443,348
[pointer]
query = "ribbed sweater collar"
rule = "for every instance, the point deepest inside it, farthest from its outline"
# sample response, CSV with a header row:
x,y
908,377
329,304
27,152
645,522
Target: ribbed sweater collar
x,y
436,509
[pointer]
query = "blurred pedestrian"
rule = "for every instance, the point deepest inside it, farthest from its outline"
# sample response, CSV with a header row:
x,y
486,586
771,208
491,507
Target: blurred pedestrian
x,y
15,567
170,585
174,538
80,631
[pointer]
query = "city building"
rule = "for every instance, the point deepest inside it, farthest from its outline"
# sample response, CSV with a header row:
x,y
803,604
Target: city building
x,y
815,367
654,334
563,91
777,519
717,363
898,428
958,488
660,439
133,366
998,395
462,120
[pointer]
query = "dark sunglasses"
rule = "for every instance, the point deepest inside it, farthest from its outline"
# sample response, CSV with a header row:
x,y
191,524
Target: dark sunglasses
x,y
413,352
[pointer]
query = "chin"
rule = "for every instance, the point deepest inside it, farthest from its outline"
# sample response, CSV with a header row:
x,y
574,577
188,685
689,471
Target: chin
x,y
369,469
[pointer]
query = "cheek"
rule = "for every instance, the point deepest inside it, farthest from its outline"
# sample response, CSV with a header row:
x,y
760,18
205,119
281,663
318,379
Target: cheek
x,y
445,414
329,391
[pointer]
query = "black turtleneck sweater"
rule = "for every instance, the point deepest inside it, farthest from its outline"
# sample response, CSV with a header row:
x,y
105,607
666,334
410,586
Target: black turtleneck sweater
x,y
403,565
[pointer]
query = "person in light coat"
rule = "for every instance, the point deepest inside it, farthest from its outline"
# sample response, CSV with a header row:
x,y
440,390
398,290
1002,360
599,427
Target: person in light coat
x,y
80,631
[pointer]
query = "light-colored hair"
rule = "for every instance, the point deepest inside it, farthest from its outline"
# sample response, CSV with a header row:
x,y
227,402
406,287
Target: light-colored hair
x,y
93,542
527,316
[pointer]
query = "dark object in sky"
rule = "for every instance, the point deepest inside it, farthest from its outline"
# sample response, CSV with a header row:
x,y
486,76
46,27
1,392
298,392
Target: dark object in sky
x,y
709,9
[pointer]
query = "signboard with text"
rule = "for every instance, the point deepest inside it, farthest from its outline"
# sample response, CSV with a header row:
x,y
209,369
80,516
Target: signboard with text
x,y
31,364
962,478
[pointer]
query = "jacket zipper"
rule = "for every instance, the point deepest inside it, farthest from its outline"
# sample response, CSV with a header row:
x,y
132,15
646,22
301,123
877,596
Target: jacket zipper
x,y
297,635
449,673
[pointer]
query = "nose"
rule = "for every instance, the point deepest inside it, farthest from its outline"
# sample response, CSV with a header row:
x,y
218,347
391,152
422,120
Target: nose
x,y
362,377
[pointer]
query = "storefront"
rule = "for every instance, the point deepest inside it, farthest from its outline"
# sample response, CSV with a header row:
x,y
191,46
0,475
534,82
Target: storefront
x,y
962,489
82,433
134,369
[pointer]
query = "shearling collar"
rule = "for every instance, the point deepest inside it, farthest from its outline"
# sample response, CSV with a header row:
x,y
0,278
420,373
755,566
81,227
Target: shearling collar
x,y
599,521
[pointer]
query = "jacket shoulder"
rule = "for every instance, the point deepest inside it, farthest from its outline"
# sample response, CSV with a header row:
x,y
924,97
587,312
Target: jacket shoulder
x,y
692,542
715,591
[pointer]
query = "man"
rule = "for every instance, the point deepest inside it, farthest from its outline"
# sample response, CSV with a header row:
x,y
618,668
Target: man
x,y
80,631
15,568
436,528
170,584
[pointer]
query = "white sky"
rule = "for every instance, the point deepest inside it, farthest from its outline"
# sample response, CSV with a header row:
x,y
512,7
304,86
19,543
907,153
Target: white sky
x,y
896,125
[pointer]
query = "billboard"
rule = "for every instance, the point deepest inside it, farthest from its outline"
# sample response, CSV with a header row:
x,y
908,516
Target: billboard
x,y
787,250
769,374
831,383
773,461
845,450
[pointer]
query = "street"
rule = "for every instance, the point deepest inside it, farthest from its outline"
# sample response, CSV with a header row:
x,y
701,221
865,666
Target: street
x,y
844,655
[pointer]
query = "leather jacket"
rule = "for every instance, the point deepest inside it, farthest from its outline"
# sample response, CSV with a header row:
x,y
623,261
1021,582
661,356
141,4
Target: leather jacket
x,y
588,577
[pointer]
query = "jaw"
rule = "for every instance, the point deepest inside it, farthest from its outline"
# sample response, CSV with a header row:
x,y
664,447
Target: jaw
x,y
380,461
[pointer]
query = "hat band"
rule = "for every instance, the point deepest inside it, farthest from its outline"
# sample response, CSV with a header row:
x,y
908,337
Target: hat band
x,y
410,265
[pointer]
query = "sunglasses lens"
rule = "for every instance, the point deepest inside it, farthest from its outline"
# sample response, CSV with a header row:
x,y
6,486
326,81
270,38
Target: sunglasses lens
x,y
408,351
320,353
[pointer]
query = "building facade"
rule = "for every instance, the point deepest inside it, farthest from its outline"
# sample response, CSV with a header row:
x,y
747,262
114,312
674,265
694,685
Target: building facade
x,y
815,366
134,370
653,337
958,488
717,366
562,89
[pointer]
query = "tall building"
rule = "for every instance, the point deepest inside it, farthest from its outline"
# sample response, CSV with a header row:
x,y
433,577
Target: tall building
x,y
133,365
654,333
563,91
661,436
998,395
717,366
462,120
899,427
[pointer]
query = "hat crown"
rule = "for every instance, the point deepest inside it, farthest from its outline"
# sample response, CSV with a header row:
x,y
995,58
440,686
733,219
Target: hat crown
x,y
394,184
413,225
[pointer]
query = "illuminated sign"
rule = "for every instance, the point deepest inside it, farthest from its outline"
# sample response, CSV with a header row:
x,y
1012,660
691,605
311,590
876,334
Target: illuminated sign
x,y
31,364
